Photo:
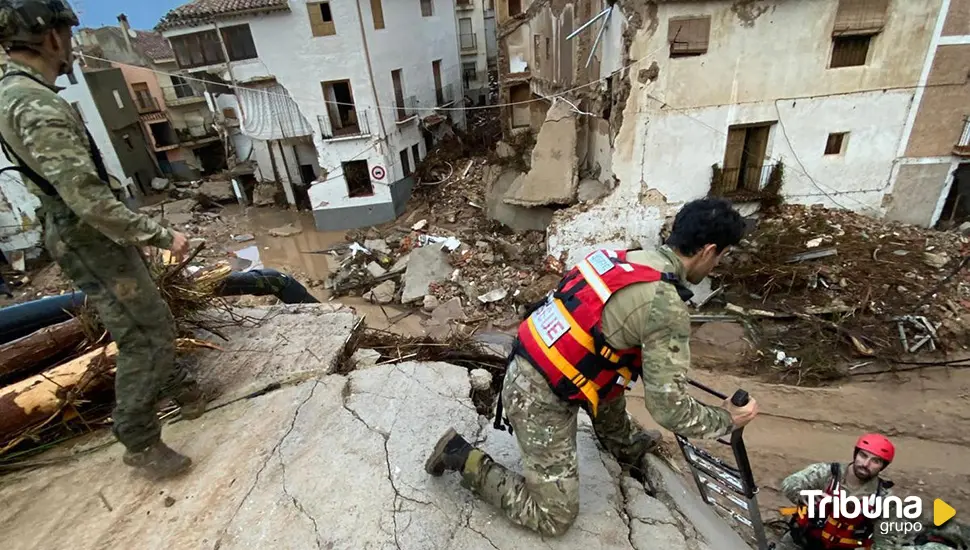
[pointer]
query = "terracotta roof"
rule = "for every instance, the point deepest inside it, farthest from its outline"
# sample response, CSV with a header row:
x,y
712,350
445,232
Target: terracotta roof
x,y
198,11
153,44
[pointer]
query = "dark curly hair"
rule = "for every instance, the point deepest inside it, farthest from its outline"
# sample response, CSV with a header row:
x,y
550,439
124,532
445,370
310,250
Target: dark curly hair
x,y
703,222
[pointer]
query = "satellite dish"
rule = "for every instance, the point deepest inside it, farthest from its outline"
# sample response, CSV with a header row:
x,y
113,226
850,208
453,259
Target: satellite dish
x,y
132,33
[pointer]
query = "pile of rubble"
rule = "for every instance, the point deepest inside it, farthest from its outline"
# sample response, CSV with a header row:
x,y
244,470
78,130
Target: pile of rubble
x,y
885,290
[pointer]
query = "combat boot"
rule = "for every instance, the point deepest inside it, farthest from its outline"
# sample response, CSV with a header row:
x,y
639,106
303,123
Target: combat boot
x,y
451,453
157,462
191,400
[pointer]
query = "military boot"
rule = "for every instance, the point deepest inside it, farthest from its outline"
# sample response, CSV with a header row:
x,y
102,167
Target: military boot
x,y
157,462
451,453
191,400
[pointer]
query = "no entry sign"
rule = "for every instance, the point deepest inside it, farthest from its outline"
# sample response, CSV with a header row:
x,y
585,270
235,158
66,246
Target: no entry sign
x,y
378,172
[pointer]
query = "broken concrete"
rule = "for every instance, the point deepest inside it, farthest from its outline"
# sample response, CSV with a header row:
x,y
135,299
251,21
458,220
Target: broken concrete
x,y
287,230
179,218
219,191
264,194
519,218
184,206
552,178
427,265
375,269
382,293
591,190
288,468
379,245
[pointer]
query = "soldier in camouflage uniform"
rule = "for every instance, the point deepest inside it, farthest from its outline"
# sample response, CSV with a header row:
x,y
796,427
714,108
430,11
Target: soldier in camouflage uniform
x,y
651,321
92,236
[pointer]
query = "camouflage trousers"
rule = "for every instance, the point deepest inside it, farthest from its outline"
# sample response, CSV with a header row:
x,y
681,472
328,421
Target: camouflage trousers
x,y
117,283
546,498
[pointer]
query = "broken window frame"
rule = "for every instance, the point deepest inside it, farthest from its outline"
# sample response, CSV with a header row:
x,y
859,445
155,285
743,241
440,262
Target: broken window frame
x,y
520,108
689,36
345,120
360,169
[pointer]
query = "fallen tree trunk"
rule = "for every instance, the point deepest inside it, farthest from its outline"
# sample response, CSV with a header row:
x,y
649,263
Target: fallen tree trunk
x,y
37,399
39,350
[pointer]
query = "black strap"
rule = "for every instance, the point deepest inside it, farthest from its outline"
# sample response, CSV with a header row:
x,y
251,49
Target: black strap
x,y
502,423
43,183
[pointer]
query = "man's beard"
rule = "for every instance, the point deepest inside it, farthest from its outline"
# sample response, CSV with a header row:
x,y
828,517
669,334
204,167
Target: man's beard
x,y
864,474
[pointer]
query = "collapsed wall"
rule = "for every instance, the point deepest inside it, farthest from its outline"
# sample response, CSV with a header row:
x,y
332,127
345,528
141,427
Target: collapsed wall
x,y
294,454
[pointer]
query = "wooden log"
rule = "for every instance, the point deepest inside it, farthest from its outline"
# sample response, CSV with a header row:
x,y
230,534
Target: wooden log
x,y
27,355
35,400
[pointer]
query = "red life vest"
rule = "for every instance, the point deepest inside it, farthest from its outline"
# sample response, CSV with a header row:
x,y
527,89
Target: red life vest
x,y
831,533
563,337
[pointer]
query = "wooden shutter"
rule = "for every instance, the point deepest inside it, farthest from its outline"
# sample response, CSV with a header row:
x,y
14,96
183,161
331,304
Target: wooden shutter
x,y
318,26
689,35
860,17
377,10
732,159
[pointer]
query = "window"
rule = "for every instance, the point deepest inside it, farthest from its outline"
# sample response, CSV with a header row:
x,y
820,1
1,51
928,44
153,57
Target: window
x,y
341,108
70,77
515,7
357,175
849,51
466,36
469,73
405,163
427,8
321,19
745,165
143,98
547,48
182,87
416,151
439,93
127,139
536,40
239,43
521,114
377,11
77,107
402,111
688,36
834,144
163,135
197,49
117,96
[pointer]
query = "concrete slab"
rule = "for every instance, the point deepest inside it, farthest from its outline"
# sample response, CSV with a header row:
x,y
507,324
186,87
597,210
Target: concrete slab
x,y
519,218
552,178
426,265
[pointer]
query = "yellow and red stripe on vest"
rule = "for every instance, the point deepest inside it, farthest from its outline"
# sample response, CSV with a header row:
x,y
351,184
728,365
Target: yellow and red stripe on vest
x,y
563,338
831,533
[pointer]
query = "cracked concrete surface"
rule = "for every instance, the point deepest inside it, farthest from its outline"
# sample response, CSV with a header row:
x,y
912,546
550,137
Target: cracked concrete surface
x,y
552,178
331,462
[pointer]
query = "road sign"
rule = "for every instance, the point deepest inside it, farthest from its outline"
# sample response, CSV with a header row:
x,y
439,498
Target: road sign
x,y
378,172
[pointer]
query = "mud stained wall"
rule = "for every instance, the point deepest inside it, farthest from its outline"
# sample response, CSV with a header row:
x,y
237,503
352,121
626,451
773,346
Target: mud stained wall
x,y
916,193
946,102
957,19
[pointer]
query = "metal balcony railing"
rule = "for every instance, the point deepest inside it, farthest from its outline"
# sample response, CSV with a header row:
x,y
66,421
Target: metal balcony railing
x,y
447,94
468,42
146,104
194,133
962,148
464,4
406,108
352,123
181,95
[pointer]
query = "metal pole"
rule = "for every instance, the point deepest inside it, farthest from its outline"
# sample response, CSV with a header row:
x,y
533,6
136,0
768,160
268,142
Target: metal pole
x,y
592,50
232,78
588,23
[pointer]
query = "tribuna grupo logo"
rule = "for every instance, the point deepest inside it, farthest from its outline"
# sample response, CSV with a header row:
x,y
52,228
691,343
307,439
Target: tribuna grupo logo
x,y
902,514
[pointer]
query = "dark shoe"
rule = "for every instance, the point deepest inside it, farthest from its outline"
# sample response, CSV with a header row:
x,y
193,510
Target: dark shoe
x,y
157,462
191,401
649,439
451,453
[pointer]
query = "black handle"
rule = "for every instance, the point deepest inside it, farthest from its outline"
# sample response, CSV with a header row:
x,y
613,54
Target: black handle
x,y
740,398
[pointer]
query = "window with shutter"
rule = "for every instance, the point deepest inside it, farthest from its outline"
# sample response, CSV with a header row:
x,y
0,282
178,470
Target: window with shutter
x,y
688,36
239,42
377,11
860,17
321,19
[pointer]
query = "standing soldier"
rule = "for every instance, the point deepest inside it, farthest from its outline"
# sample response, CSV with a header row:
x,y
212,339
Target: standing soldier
x,y
616,316
89,233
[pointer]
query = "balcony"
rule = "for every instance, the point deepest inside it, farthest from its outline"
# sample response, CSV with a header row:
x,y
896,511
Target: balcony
x,y
962,148
407,108
446,95
464,5
146,104
177,96
352,123
196,135
468,42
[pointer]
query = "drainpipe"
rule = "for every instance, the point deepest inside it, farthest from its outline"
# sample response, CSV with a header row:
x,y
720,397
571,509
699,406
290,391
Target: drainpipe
x,y
370,70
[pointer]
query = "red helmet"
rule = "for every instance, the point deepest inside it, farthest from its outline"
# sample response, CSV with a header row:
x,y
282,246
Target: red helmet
x,y
878,445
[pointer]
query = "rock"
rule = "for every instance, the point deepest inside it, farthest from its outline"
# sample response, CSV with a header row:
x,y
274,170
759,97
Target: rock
x,y
430,303
264,194
519,218
448,311
375,269
365,358
401,264
964,229
179,218
420,225
427,265
504,150
511,251
287,230
160,184
245,238
219,191
382,293
183,206
480,379
169,502
496,295
379,245
935,260
591,190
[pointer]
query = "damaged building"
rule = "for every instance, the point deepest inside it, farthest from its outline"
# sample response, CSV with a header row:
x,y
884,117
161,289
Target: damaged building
x,y
336,101
855,104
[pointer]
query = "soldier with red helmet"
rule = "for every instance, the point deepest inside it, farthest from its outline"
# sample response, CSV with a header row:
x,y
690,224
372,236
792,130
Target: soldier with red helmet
x,y
859,478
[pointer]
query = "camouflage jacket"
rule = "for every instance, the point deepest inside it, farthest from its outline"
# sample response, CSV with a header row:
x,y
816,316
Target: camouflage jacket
x,y
47,133
819,476
652,316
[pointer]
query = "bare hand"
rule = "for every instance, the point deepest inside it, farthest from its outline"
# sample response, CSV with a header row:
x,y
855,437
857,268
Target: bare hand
x,y
180,245
742,415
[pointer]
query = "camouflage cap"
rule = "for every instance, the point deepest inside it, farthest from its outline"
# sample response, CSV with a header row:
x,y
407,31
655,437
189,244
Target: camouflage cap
x,y
26,21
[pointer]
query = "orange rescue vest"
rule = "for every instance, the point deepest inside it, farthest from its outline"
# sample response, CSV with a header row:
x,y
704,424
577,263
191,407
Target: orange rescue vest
x,y
563,337
830,533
